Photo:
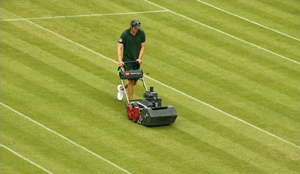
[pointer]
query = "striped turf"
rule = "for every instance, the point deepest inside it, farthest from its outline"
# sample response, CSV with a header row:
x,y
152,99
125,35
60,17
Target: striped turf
x,y
236,94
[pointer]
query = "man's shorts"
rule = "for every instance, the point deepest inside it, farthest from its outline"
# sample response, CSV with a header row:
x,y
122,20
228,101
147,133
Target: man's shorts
x,y
132,66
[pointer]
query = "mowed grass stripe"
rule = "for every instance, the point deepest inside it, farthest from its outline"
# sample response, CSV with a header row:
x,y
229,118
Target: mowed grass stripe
x,y
41,146
225,81
279,15
202,112
61,81
228,65
251,33
24,158
11,158
40,9
248,20
199,134
296,74
248,39
60,103
51,9
244,63
203,149
225,75
80,16
242,103
152,151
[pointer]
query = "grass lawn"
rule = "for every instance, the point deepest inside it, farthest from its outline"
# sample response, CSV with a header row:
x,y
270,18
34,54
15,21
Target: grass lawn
x,y
230,68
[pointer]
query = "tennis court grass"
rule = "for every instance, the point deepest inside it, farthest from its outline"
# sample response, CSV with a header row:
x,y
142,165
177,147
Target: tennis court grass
x,y
231,69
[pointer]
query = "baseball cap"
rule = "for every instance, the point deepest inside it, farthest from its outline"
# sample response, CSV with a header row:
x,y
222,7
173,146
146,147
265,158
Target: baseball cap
x,y
136,23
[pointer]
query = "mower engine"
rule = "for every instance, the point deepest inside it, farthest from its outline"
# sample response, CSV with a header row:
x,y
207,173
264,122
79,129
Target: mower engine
x,y
151,99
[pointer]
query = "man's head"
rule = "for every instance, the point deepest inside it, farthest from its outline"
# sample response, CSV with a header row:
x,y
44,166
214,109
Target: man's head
x,y
135,23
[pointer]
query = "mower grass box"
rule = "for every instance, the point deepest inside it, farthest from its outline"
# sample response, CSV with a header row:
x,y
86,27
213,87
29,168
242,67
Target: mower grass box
x,y
158,116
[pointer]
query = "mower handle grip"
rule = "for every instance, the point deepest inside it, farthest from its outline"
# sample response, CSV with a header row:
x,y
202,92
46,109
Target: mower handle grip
x,y
132,61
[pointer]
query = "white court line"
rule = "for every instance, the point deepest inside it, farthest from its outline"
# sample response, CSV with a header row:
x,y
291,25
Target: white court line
x,y
248,20
249,43
174,89
79,16
24,158
65,138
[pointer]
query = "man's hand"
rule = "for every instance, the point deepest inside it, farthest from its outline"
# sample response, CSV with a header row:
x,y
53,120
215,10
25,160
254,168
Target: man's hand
x,y
139,61
121,63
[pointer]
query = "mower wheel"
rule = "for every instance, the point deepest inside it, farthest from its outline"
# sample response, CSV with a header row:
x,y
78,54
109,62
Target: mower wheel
x,y
135,114
129,111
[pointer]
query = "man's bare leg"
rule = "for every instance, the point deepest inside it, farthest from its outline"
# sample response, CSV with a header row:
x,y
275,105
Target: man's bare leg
x,y
126,85
129,85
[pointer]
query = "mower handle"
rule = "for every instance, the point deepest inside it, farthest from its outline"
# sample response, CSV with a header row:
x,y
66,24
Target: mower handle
x,y
132,61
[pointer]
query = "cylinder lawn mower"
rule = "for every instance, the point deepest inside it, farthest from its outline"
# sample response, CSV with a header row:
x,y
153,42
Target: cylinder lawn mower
x,y
148,111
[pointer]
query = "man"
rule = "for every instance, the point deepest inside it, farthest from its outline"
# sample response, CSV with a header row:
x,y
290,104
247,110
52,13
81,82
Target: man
x,y
132,41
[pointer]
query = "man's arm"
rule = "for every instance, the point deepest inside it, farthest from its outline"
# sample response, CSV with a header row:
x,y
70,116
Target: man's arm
x,y
119,54
141,52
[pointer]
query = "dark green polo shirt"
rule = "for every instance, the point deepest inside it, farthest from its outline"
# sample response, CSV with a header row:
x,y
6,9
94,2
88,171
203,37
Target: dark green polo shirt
x,y
132,44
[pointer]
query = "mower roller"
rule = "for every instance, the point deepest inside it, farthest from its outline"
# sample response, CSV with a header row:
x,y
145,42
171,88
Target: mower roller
x,y
149,110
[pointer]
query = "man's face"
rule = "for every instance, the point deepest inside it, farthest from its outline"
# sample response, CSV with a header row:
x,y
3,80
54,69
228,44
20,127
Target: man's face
x,y
134,30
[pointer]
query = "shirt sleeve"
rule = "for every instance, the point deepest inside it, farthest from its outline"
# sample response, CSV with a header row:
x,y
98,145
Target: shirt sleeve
x,y
122,39
144,37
